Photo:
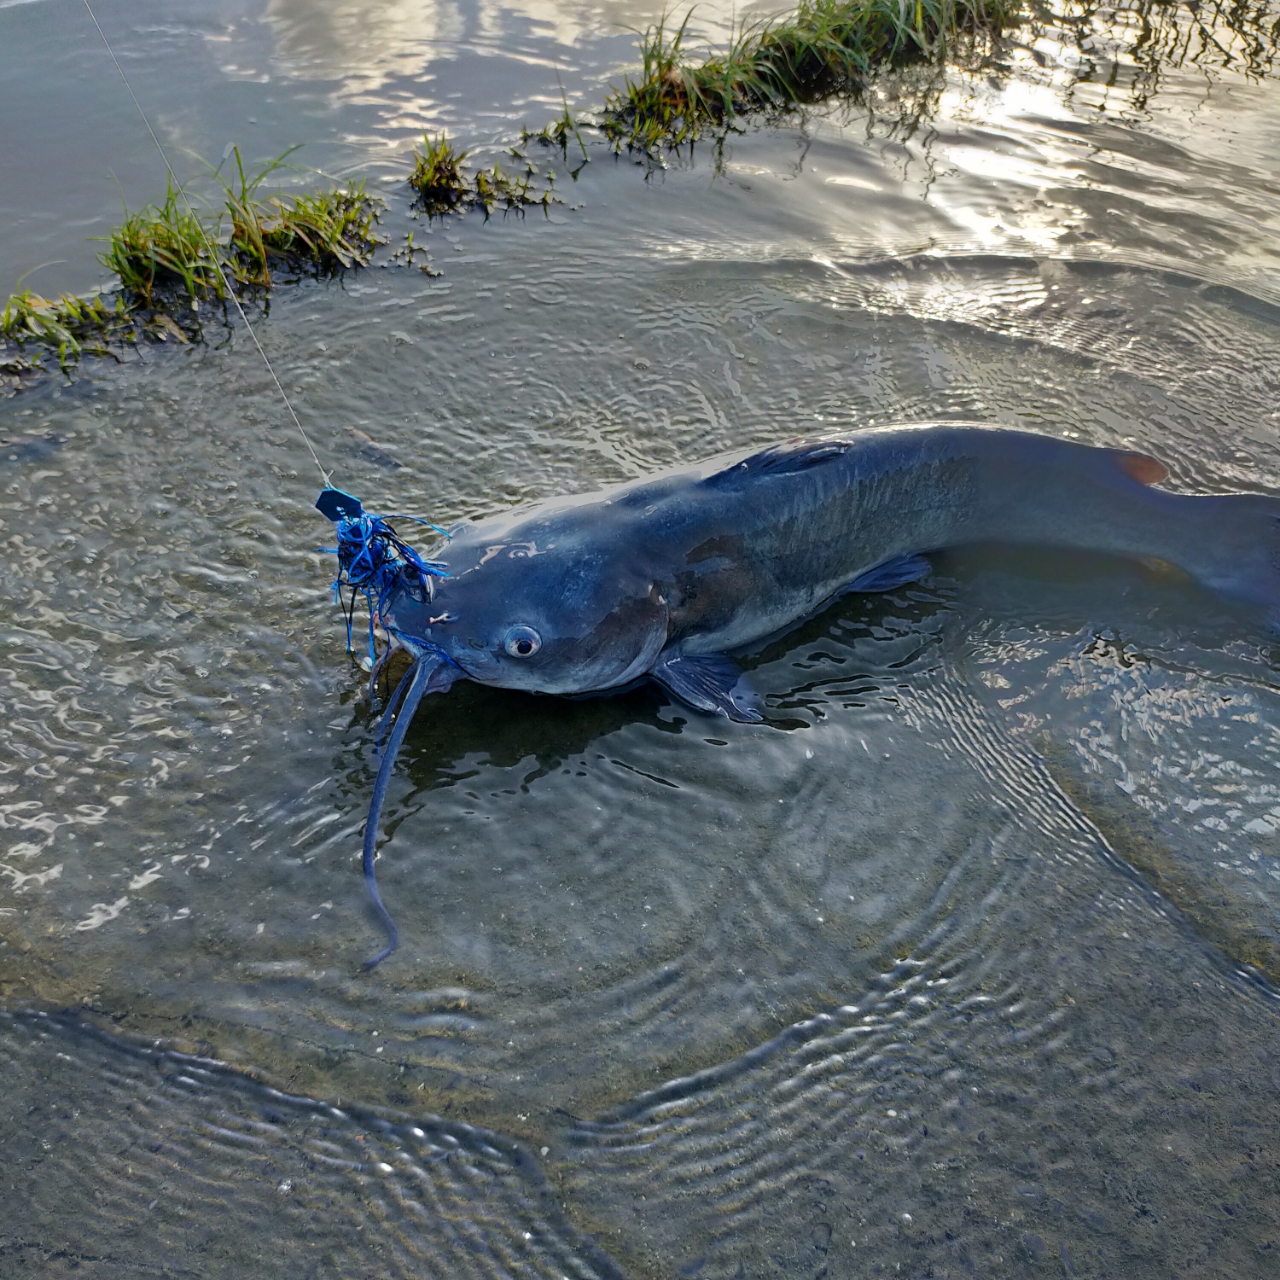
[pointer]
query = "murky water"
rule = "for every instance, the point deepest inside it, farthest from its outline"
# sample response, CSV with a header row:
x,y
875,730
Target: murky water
x,y
960,964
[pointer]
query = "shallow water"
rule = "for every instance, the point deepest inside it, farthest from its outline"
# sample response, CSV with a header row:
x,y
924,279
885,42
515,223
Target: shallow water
x,y
961,963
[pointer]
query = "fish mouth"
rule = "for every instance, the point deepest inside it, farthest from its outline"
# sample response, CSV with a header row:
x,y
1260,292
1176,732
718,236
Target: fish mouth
x,y
423,648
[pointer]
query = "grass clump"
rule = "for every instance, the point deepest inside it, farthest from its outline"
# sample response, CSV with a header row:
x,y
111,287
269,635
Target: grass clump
x,y
68,325
163,247
331,231
167,251
825,47
168,260
443,186
327,232
437,175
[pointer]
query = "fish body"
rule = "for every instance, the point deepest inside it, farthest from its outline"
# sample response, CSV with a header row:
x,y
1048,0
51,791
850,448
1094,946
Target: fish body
x,y
666,576
371,450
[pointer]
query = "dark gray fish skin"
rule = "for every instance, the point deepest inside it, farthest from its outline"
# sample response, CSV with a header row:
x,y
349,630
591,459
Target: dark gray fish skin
x,y
663,576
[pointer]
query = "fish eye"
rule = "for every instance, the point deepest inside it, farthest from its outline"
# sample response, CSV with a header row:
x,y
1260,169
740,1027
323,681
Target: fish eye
x,y
522,642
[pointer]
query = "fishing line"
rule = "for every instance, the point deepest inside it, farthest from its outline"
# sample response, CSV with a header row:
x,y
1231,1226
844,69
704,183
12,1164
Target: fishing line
x,y
372,560
213,255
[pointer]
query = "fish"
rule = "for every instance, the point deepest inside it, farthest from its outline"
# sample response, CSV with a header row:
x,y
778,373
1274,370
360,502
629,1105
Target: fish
x,y
370,449
664,578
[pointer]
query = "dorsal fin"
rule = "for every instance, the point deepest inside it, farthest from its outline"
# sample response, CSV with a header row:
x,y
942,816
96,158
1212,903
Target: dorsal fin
x,y
781,459
1141,467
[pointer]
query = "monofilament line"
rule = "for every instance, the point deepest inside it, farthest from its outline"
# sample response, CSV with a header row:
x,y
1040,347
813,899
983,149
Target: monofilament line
x,y
213,253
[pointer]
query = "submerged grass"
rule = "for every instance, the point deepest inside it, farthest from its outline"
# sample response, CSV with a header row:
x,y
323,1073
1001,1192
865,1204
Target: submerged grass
x,y
825,47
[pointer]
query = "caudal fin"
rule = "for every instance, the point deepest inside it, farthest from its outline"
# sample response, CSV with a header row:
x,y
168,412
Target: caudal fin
x,y
1231,545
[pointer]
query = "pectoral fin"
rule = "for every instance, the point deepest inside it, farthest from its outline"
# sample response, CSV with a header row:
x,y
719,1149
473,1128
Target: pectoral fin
x,y
708,682
891,574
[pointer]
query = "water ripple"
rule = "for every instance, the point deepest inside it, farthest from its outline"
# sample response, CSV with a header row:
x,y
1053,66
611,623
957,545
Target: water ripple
x,y
230,1175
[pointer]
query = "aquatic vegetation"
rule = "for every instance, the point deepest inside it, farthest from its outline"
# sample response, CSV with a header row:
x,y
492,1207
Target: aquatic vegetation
x,y
330,231
326,232
828,48
825,47
163,247
411,249
494,186
558,132
68,325
168,260
437,175
443,187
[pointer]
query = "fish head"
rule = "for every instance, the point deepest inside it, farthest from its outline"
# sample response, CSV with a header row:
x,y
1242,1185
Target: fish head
x,y
545,609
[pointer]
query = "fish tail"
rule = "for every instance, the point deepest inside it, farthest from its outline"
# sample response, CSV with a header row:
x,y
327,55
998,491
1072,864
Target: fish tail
x,y
1060,493
1231,545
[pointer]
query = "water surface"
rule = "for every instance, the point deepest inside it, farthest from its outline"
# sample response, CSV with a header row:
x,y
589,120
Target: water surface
x,y
962,961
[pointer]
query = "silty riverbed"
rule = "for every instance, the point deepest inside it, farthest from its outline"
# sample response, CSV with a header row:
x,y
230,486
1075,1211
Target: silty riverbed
x,y
963,963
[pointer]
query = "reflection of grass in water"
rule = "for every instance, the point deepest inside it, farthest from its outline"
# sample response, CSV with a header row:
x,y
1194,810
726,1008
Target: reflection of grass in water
x,y
168,260
824,48
1152,35
1223,923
